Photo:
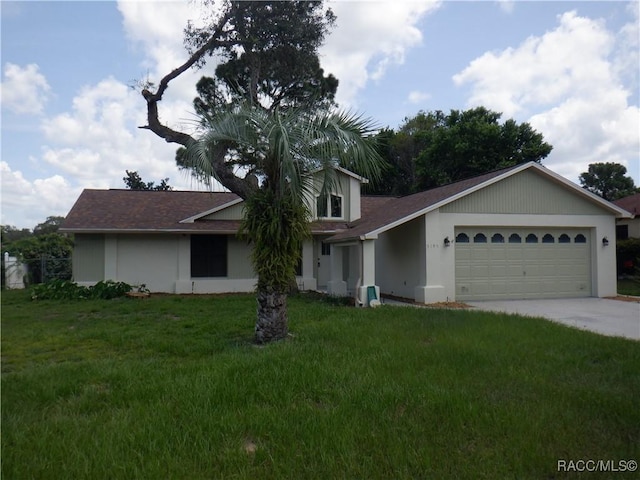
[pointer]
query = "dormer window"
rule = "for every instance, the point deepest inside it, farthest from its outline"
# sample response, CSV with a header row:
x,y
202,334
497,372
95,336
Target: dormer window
x,y
329,206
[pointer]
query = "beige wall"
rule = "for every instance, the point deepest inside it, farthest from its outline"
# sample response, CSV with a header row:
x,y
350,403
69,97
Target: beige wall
x,y
633,224
145,259
400,259
88,258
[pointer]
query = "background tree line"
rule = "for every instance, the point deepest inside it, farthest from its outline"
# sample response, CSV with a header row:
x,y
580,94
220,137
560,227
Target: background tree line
x,y
46,252
433,149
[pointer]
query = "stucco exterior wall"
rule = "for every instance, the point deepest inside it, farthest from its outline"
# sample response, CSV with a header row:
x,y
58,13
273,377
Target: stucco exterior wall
x,y
88,258
400,259
145,259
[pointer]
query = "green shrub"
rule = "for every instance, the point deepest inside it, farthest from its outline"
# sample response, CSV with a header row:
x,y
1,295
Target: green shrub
x,y
628,256
68,290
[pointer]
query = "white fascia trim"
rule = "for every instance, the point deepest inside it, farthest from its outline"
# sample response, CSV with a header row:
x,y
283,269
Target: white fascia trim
x,y
345,171
620,212
149,230
213,210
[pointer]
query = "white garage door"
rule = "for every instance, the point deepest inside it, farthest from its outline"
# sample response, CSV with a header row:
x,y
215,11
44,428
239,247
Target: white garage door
x,y
512,263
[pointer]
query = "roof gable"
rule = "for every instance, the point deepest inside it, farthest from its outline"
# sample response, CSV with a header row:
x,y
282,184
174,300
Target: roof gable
x,y
528,192
412,206
211,213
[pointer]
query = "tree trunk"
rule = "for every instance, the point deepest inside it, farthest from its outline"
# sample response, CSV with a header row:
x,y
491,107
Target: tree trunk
x,y
272,321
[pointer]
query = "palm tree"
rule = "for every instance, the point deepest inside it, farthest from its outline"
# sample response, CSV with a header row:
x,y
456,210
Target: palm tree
x,y
283,149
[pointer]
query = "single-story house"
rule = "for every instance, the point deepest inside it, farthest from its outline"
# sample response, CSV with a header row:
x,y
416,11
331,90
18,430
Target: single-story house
x,y
519,232
629,227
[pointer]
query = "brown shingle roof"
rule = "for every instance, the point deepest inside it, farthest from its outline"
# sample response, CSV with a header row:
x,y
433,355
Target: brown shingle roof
x,y
157,211
631,204
162,211
143,210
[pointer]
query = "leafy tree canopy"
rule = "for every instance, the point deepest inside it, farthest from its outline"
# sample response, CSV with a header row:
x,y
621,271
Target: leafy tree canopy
x,y
50,225
433,149
270,56
133,181
269,52
608,180
10,233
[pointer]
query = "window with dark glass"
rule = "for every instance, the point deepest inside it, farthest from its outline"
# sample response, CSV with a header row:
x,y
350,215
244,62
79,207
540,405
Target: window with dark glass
x,y
531,238
462,238
329,206
208,255
480,238
515,238
580,238
321,206
622,232
497,238
336,206
564,238
548,238
326,249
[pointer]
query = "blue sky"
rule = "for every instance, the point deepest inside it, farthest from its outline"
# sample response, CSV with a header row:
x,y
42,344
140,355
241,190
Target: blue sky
x,y
70,118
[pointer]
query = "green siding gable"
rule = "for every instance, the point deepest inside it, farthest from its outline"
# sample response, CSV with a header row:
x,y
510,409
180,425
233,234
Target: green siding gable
x,y
234,212
526,192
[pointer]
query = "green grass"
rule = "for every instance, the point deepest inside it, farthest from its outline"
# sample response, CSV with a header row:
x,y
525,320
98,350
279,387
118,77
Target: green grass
x,y
629,286
172,387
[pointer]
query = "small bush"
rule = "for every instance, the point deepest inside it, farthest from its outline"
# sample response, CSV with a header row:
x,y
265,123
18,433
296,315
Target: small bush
x,y
67,290
628,255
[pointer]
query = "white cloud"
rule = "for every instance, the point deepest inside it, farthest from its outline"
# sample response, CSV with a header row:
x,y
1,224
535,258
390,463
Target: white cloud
x,y
368,39
24,90
26,203
416,97
98,139
568,83
89,146
572,59
157,29
506,6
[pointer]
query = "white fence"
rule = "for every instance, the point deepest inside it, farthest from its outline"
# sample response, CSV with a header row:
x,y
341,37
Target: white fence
x,y
15,272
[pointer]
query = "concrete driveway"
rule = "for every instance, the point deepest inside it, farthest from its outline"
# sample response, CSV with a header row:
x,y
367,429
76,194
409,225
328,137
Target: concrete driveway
x,y
605,316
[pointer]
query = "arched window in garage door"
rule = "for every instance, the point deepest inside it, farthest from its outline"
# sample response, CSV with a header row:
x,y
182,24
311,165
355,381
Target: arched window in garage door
x,y
548,238
497,238
580,238
515,238
480,238
462,238
564,238
531,238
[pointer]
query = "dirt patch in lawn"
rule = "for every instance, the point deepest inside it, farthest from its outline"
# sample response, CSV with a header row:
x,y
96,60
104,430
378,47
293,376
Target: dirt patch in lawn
x,y
410,301
623,298
448,305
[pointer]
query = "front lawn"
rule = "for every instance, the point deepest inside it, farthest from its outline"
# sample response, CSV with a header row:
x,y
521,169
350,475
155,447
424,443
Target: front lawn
x,y
171,387
629,286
